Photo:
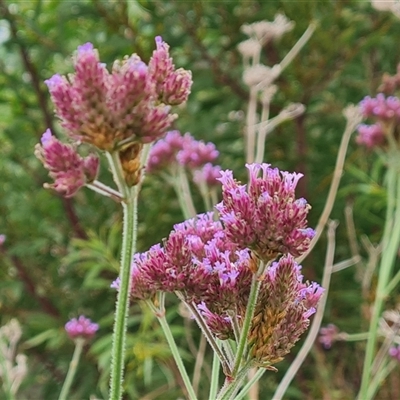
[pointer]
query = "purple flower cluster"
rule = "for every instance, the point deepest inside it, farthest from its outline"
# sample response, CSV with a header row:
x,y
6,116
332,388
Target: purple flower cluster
x,y
81,327
196,259
370,136
386,112
131,102
264,215
328,335
119,110
211,263
177,149
69,170
200,262
209,174
381,107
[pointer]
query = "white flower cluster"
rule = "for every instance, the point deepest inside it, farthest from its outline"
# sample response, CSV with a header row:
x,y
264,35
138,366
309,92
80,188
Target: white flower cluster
x,y
387,5
13,366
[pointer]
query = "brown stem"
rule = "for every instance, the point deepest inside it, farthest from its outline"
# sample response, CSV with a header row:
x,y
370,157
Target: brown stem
x,y
29,285
73,219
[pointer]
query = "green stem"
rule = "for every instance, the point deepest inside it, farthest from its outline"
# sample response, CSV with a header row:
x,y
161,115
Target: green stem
x,y
104,190
262,134
251,120
235,326
250,383
355,337
392,284
379,378
205,194
391,239
73,365
227,347
117,172
122,306
230,389
251,305
207,333
160,314
185,192
214,377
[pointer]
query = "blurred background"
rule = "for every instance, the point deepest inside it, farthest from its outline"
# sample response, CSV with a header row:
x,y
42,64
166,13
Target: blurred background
x,y
60,255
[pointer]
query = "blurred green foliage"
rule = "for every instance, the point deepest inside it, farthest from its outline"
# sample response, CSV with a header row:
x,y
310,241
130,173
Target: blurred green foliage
x,y
61,255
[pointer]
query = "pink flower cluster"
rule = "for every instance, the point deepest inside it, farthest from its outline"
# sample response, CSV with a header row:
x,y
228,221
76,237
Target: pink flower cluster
x,y
177,149
199,261
370,136
384,110
81,328
118,111
132,102
264,215
69,170
381,107
212,263
328,335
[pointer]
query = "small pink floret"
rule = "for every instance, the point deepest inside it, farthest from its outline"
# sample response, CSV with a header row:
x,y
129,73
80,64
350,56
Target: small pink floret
x,y
82,327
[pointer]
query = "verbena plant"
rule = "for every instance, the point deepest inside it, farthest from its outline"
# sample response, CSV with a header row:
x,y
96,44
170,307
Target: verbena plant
x,y
236,268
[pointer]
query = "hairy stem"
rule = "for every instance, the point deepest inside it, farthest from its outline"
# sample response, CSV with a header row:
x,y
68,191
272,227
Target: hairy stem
x,y
122,306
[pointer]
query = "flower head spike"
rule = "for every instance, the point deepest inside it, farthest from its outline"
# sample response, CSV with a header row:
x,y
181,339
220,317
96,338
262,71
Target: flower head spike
x,y
122,109
81,327
282,312
104,108
68,169
173,86
264,215
161,64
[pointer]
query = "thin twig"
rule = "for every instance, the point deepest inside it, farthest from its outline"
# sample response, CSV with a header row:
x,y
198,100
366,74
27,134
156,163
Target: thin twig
x,y
352,121
374,253
199,364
